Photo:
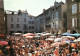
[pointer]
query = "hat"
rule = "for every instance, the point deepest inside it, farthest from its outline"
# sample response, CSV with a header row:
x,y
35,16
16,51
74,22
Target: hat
x,y
73,49
23,46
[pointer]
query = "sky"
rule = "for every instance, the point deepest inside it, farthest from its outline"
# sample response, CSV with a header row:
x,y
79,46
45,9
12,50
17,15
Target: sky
x,y
33,7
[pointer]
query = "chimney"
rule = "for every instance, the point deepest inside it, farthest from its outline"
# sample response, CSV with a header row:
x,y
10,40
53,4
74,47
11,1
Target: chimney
x,y
44,10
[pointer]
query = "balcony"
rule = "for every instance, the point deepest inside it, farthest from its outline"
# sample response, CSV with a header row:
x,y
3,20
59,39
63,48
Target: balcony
x,y
47,20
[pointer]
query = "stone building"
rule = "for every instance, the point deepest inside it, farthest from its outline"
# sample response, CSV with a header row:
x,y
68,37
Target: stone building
x,y
54,18
20,22
2,22
39,22
73,15
57,19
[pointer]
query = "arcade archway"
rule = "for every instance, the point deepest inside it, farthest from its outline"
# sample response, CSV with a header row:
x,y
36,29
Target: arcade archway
x,y
73,31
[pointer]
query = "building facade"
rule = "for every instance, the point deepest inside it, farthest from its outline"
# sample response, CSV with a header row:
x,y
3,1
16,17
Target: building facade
x,y
20,22
2,22
73,15
40,20
54,18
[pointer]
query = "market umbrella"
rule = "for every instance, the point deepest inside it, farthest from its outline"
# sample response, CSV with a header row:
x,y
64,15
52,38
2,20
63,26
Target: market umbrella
x,y
65,34
75,35
50,39
37,36
67,37
29,36
77,40
42,46
3,43
69,41
53,36
47,34
17,33
2,35
7,47
58,40
57,44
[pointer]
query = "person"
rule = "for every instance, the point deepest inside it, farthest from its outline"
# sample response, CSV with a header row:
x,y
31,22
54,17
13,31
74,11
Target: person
x,y
26,51
9,42
1,54
6,52
67,51
73,53
11,51
56,52
78,53
0,51
63,53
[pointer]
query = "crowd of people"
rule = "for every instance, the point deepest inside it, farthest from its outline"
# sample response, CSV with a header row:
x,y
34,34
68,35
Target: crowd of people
x,y
22,46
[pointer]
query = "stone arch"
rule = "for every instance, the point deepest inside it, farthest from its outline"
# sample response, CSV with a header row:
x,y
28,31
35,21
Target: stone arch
x,y
73,31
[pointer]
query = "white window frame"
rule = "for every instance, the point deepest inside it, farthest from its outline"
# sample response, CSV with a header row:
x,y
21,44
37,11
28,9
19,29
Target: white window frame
x,y
74,8
57,24
74,22
56,15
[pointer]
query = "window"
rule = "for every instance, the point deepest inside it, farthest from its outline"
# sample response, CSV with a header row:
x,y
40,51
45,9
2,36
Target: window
x,y
56,24
74,22
48,26
79,6
24,26
25,14
74,8
12,19
30,17
53,24
17,26
47,19
79,21
12,26
17,19
31,27
52,16
72,0
41,20
56,15
56,8
24,19
31,22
